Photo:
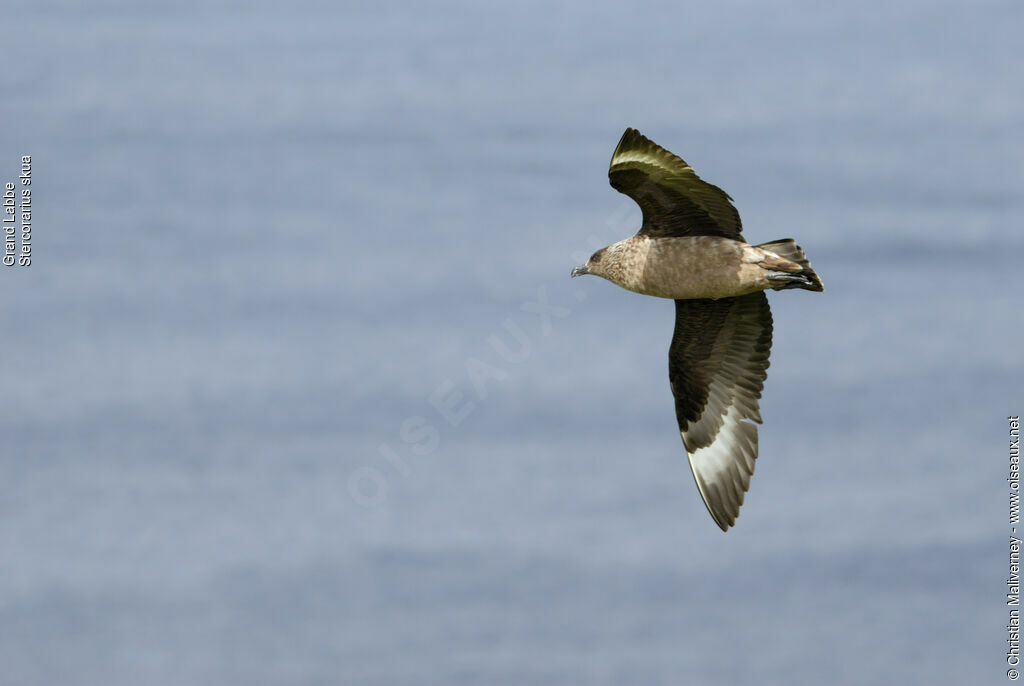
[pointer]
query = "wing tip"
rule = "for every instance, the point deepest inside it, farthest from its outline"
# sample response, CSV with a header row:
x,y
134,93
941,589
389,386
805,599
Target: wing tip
x,y
630,138
723,496
631,133
724,515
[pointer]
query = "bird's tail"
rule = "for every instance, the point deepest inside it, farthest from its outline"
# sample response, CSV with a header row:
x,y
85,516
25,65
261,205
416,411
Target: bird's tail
x,y
806,278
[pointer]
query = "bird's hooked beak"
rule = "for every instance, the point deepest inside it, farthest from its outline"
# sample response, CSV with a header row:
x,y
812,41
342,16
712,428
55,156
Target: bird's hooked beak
x,y
580,271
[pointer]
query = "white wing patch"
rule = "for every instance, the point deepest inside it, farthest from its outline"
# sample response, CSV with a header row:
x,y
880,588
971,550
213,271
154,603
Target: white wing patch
x,y
651,157
723,469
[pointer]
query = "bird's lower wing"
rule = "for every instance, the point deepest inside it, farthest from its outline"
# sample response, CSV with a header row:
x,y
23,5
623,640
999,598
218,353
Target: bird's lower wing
x,y
717,366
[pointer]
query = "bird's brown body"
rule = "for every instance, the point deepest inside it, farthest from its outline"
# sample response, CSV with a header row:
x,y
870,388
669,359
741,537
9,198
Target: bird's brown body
x,y
689,267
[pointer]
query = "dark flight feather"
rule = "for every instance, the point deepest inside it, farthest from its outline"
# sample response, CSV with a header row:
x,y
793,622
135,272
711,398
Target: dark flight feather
x,y
717,365
675,201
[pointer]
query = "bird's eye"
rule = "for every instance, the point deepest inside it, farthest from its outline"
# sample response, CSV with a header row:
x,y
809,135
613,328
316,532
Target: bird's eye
x,y
596,257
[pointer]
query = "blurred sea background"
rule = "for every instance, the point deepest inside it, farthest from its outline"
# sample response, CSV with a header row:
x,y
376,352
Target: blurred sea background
x,y
274,247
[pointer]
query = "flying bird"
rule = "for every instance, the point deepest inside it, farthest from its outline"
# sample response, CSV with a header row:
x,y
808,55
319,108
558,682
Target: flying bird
x,y
690,248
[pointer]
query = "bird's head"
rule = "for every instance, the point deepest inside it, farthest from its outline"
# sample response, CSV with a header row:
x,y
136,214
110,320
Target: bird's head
x,y
591,266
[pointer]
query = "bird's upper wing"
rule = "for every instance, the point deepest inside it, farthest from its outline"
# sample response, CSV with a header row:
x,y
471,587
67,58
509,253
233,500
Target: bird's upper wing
x,y
717,365
675,201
